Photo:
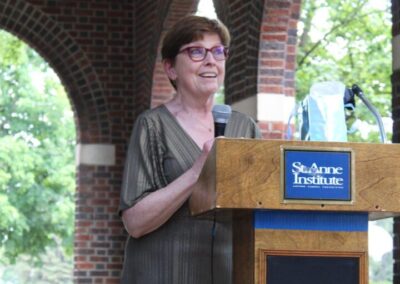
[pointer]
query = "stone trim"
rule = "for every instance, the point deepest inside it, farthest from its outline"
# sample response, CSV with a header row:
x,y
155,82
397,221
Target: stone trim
x,y
274,107
95,154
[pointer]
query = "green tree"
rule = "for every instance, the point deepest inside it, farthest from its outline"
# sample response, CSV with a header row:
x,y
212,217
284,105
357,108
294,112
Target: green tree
x,y
347,41
37,138
350,41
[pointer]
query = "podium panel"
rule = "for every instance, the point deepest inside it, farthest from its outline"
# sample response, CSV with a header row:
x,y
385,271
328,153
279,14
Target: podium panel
x,y
327,269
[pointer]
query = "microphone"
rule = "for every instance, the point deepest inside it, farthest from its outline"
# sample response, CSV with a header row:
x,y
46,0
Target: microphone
x,y
221,115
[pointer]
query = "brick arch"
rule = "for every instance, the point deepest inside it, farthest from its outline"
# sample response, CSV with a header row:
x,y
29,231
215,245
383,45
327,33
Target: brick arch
x,y
162,89
95,97
243,19
64,55
147,43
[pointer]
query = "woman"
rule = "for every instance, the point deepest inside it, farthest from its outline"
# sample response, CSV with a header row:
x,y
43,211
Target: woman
x,y
167,151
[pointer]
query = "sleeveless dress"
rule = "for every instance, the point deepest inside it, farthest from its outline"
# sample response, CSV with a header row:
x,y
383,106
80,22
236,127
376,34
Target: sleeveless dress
x,y
183,250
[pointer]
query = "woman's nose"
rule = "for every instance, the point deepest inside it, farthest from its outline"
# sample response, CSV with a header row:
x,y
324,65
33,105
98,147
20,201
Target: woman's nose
x,y
209,58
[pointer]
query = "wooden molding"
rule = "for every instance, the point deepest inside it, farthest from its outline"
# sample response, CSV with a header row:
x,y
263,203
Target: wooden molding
x,y
362,256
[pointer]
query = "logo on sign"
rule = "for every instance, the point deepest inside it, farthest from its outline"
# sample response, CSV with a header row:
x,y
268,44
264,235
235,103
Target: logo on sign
x,y
317,175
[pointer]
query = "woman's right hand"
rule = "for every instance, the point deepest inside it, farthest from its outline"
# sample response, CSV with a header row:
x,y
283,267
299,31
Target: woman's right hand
x,y
199,163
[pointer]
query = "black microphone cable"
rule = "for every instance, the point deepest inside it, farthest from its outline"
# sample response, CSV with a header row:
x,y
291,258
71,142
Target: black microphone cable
x,y
213,233
221,115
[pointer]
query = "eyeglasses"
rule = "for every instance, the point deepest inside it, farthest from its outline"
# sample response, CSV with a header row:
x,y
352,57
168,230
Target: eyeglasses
x,y
199,53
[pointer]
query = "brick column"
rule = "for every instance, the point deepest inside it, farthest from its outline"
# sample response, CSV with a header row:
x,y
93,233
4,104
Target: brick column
x,y
243,19
277,60
162,89
396,123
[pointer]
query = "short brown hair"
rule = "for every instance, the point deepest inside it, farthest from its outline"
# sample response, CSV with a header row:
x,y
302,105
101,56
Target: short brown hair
x,y
189,29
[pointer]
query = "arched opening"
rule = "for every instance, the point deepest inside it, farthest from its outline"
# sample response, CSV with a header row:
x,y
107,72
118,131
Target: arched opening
x,y
206,8
37,172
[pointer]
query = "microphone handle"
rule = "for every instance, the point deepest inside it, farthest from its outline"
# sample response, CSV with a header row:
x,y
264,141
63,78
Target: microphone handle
x,y
219,129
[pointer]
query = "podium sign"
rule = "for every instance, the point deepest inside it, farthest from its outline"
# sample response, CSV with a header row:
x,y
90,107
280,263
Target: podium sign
x,y
317,175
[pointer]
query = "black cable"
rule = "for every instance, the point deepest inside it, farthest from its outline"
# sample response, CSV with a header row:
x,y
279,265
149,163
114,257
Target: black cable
x,y
213,231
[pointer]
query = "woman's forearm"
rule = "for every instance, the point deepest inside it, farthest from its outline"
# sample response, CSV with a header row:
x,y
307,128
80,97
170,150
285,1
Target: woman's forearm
x,y
156,208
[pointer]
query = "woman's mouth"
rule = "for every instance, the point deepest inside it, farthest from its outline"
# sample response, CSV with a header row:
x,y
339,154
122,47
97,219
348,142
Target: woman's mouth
x,y
208,75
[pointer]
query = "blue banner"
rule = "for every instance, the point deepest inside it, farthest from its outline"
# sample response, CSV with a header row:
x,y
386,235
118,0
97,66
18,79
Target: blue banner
x,y
317,175
311,220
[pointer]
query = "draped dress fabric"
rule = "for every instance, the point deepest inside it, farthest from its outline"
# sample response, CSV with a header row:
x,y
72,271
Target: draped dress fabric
x,y
180,251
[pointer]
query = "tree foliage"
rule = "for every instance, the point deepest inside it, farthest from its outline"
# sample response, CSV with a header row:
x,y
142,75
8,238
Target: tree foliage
x,y
347,41
350,41
37,138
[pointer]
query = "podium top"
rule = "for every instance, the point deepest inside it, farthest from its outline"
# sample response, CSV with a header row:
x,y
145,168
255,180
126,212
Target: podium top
x,y
247,174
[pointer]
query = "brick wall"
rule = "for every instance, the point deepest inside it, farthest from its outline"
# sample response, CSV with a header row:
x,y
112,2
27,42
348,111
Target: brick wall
x,y
90,46
273,50
278,47
150,16
276,89
262,55
261,68
243,19
105,55
396,123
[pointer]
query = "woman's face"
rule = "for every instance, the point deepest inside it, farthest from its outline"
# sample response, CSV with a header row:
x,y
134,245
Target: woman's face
x,y
198,78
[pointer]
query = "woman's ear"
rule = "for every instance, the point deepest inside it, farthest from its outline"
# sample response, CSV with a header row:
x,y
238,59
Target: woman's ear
x,y
170,69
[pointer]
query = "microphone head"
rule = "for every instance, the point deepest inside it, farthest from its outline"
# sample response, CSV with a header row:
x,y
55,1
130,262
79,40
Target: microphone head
x,y
356,89
221,113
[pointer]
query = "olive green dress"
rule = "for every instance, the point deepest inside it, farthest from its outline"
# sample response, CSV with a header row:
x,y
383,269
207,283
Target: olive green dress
x,y
179,252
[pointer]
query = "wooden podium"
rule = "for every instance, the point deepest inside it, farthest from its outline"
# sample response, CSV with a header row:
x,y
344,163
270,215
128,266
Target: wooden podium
x,y
284,240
